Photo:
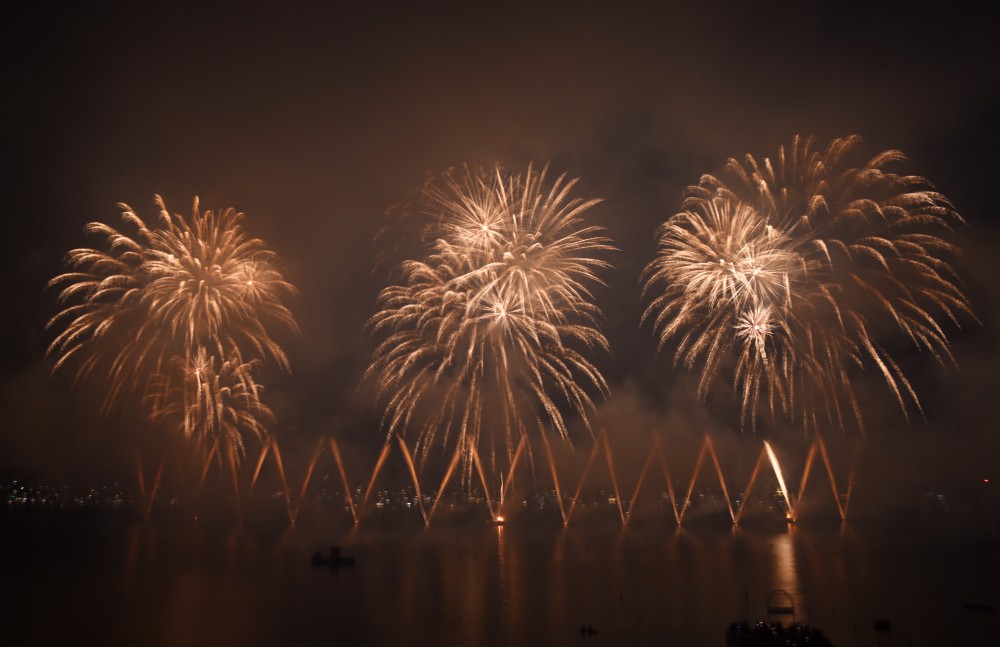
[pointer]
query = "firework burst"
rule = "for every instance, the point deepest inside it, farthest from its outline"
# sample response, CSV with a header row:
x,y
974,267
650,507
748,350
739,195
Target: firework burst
x,y
207,400
188,293
790,271
491,333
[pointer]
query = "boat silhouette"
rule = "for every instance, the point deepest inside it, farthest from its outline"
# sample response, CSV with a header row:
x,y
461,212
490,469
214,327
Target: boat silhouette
x,y
335,560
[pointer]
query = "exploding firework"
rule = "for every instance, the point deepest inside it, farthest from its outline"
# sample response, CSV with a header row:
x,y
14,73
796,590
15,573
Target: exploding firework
x,y
491,333
789,272
207,400
191,294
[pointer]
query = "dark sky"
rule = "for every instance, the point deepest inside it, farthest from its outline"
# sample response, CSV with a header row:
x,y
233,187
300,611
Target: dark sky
x,y
314,121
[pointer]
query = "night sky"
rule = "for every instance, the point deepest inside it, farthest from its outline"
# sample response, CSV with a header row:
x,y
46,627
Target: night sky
x,y
314,122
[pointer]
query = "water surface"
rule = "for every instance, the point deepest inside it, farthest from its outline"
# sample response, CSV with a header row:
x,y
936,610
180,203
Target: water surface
x,y
111,578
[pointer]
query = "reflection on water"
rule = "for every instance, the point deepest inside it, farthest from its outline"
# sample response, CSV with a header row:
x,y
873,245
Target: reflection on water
x,y
785,572
136,583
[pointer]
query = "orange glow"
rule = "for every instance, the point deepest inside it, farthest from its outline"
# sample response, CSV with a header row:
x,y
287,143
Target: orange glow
x,y
223,458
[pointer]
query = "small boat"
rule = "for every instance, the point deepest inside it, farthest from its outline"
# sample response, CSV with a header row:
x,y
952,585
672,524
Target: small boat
x,y
335,560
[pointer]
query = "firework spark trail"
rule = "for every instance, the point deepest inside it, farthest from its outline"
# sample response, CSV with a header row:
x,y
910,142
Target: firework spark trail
x,y
179,314
776,466
497,320
785,274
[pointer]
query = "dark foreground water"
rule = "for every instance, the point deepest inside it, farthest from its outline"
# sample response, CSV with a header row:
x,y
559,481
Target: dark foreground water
x,y
107,578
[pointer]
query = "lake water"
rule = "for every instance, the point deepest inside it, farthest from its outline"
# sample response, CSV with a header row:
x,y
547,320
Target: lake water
x,y
108,578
